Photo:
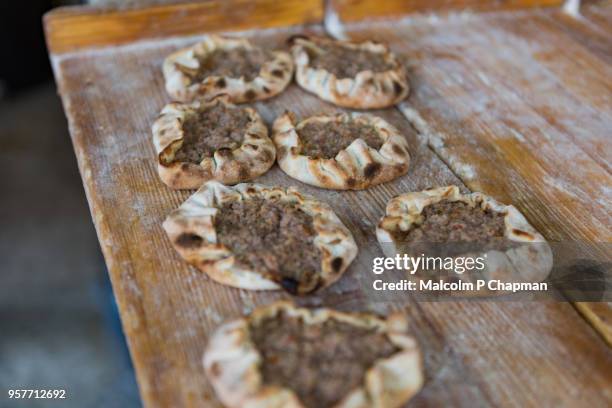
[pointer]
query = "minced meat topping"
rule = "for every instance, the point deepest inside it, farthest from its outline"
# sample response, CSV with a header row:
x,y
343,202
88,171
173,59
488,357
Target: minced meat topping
x,y
448,222
211,129
321,363
326,139
271,236
346,62
235,63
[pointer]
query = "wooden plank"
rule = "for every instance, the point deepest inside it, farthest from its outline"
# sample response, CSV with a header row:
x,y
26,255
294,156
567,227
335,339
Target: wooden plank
x,y
357,10
599,14
168,308
476,353
517,104
72,28
589,35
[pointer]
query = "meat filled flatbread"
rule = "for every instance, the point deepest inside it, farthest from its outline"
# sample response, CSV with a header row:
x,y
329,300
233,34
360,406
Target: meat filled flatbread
x,y
282,356
253,236
348,151
231,66
353,75
212,140
443,222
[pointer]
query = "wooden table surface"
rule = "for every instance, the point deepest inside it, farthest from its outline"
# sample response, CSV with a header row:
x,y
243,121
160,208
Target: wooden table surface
x,y
513,101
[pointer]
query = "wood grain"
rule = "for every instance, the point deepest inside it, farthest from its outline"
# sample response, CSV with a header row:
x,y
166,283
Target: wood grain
x,y
476,353
599,15
72,28
518,105
357,10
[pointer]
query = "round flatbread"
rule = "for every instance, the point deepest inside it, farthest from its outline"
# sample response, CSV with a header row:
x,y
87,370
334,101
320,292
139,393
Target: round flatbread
x,y
212,140
444,222
353,75
231,66
286,357
256,237
348,151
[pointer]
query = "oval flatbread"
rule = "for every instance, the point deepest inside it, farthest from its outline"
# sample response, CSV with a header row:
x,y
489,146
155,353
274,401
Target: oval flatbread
x,y
353,75
231,66
282,356
444,222
348,151
256,237
212,140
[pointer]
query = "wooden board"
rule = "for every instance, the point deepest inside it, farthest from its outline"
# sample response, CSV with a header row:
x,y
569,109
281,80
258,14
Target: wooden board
x,y
358,10
476,353
71,28
518,105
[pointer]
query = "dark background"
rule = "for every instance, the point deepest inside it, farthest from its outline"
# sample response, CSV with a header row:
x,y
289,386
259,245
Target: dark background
x,y
58,324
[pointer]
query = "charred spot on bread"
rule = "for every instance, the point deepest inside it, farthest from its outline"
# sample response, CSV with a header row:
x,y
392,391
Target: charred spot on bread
x,y
215,369
371,169
290,285
250,94
336,264
397,149
521,233
397,88
221,83
189,240
224,152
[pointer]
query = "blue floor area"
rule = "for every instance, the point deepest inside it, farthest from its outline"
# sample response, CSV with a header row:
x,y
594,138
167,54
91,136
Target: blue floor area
x,y
59,327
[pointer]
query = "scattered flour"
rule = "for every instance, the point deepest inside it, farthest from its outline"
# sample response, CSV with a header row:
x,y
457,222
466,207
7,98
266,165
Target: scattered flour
x,y
435,140
213,315
248,304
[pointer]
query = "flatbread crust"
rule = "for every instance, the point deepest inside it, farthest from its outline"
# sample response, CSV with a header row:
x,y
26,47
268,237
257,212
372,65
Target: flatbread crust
x,y
231,362
357,167
366,90
192,233
251,159
273,77
524,263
